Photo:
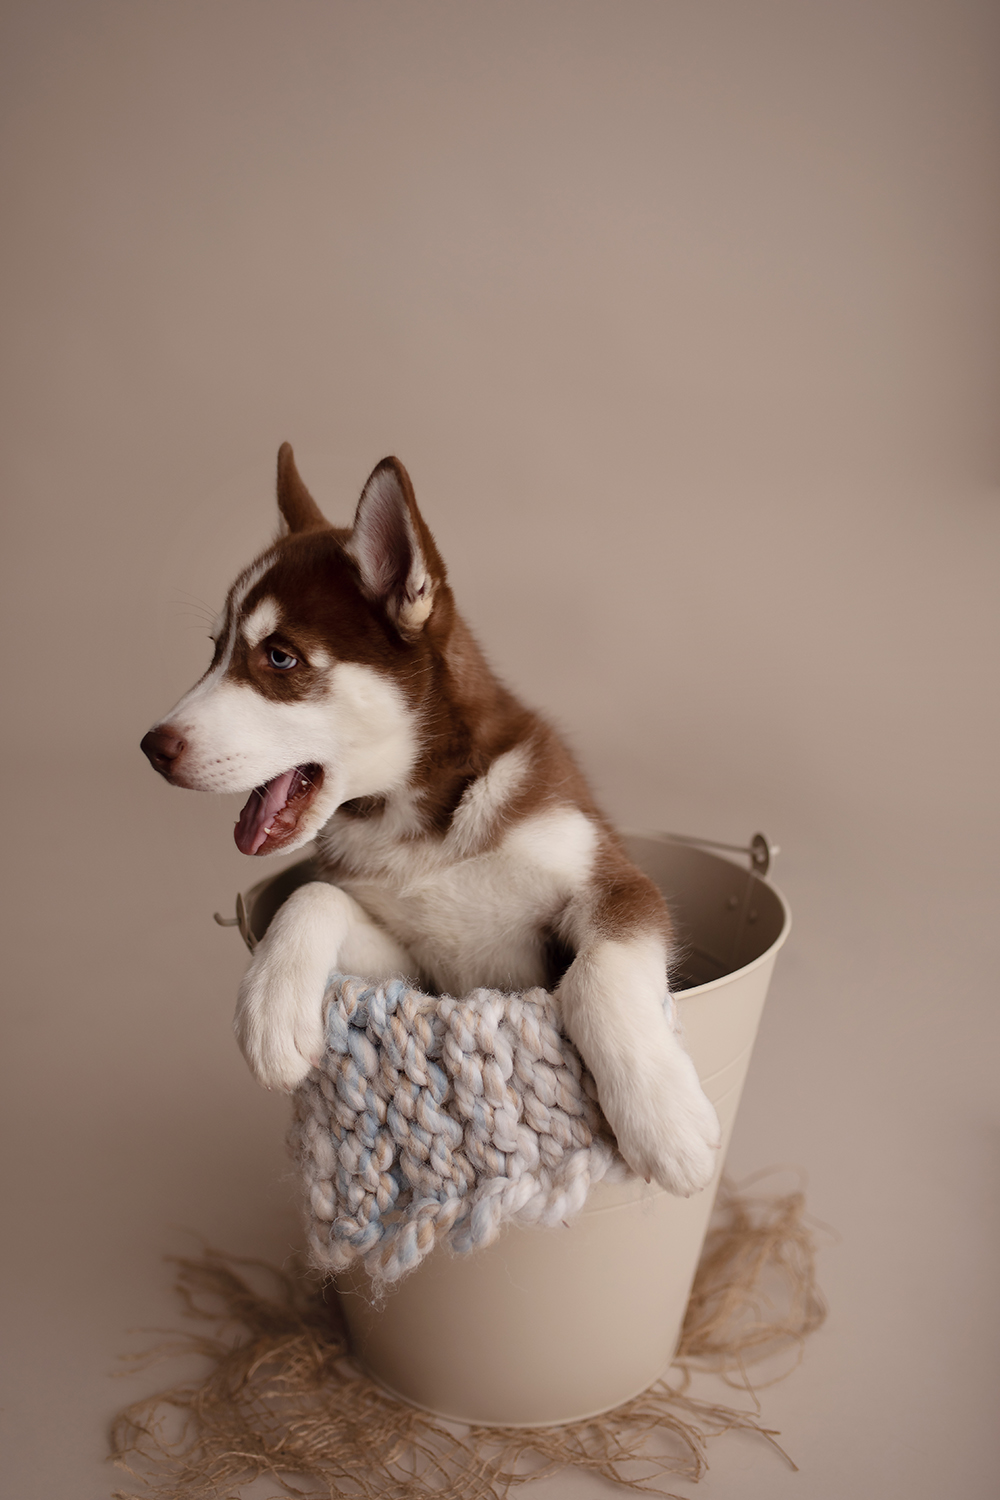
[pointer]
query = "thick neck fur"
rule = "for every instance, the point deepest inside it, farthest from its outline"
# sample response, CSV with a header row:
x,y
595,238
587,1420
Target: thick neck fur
x,y
466,718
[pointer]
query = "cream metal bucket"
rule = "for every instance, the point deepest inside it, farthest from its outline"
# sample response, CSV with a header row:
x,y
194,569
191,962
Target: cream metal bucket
x,y
556,1325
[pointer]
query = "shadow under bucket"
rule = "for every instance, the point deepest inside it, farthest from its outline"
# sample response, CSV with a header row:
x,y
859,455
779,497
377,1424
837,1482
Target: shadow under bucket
x,y
551,1326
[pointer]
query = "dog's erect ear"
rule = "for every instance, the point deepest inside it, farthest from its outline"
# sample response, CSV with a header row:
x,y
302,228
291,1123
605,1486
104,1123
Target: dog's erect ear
x,y
298,507
399,564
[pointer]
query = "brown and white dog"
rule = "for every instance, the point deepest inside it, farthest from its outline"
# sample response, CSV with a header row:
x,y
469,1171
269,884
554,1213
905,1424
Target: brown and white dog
x,y
459,842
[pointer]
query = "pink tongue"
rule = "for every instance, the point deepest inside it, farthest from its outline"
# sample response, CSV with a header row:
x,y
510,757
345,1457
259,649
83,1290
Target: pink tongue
x,y
263,804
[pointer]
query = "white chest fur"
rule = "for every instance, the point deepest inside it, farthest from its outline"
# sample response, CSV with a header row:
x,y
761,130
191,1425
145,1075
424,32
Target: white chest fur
x,y
478,920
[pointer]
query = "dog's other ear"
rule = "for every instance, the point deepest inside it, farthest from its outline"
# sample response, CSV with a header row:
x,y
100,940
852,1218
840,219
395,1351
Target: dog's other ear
x,y
399,564
297,506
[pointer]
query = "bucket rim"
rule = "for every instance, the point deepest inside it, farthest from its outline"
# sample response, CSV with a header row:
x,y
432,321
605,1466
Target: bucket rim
x,y
769,953
246,901
767,956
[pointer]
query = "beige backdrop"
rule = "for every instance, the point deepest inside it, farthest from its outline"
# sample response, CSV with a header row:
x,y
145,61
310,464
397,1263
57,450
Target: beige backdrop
x,y
684,318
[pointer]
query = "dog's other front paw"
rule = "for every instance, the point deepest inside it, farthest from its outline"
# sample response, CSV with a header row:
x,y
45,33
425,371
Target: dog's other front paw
x,y
665,1126
279,1026
612,1005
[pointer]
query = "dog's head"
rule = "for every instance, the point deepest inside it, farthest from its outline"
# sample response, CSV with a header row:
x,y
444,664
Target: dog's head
x,y
322,658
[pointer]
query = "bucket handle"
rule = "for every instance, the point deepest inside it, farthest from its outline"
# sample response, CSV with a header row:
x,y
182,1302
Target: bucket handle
x,y
241,920
760,851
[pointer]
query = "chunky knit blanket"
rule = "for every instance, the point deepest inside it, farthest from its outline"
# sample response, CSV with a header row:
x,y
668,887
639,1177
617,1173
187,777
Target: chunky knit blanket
x,y
441,1119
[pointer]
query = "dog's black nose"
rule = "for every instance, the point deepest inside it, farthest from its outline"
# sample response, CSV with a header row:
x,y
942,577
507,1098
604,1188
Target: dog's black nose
x,y
162,747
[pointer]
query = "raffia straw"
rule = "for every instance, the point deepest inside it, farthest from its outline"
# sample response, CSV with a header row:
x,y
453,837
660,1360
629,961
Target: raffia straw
x,y
284,1400
755,1294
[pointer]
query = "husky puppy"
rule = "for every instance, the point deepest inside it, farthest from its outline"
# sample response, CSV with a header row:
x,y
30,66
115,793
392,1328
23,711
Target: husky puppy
x,y
458,840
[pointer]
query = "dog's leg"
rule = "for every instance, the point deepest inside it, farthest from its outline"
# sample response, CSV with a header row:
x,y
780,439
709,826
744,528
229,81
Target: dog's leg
x,y
279,1015
612,1000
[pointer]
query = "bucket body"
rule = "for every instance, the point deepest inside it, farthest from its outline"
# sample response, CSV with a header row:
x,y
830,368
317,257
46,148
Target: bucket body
x,y
549,1326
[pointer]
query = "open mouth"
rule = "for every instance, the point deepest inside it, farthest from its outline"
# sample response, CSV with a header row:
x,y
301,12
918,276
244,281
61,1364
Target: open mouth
x,y
272,811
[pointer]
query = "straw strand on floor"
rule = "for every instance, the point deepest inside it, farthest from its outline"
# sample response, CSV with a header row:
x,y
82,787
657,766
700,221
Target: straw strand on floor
x,y
283,1399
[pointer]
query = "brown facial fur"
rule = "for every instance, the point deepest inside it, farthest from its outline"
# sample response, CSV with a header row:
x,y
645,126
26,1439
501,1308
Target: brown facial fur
x,y
321,605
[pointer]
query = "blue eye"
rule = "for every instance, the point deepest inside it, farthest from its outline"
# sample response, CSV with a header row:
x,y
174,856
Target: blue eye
x,y
281,659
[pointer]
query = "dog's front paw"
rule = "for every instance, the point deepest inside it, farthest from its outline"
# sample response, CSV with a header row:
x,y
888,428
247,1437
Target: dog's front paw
x,y
279,1026
665,1126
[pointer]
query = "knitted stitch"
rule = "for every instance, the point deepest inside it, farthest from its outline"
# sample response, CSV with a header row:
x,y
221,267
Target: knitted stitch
x,y
436,1118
